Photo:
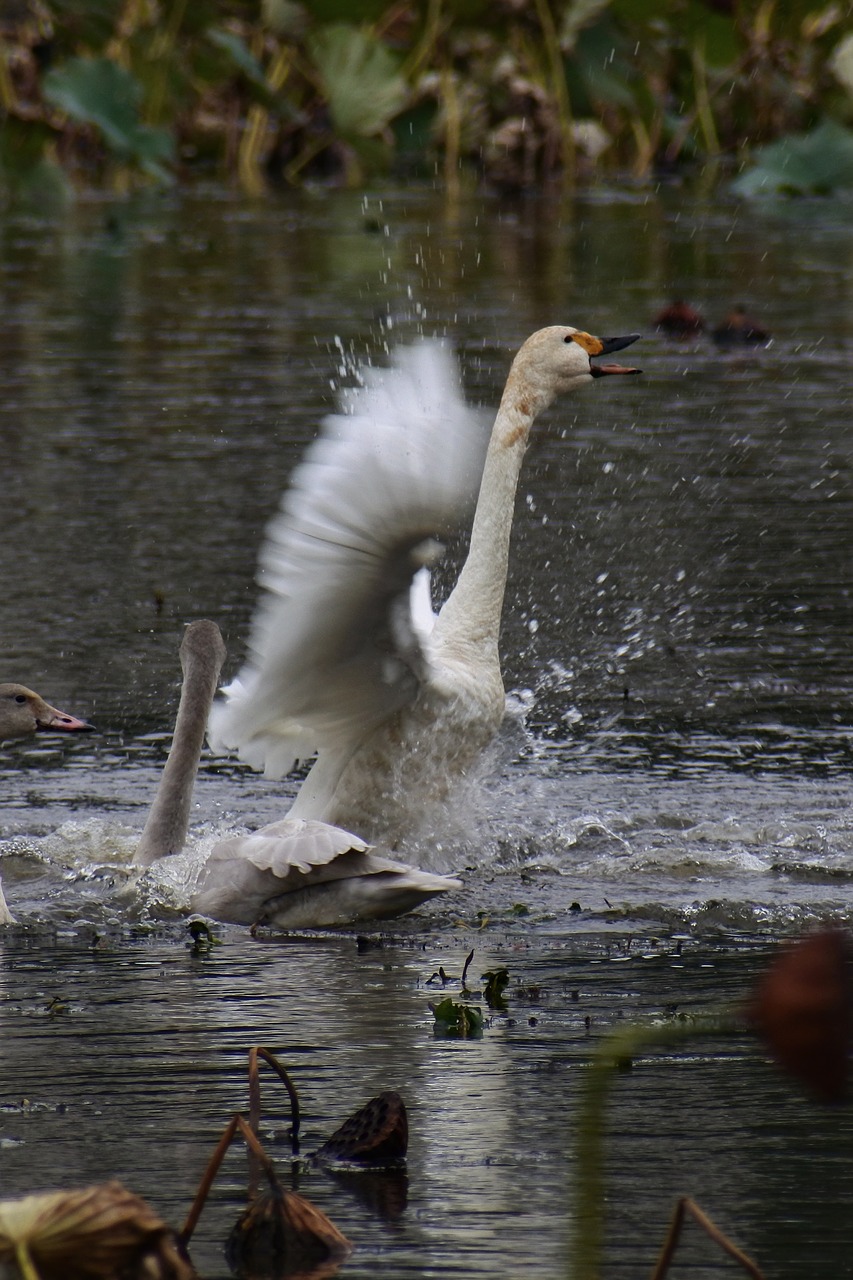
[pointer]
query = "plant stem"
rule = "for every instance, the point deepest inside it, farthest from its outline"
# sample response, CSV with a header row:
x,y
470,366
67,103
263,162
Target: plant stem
x,y
560,90
619,1047
452,132
425,48
703,99
207,1180
684,1206
26,1266
271,1060
252,142
7,92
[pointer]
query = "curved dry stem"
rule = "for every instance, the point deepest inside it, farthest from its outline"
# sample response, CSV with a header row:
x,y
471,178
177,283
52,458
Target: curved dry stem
x,y
253,1143
255,1112
207,1180
235,1124
686,1206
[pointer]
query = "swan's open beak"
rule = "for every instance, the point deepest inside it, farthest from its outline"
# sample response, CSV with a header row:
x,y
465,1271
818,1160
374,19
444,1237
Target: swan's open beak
x,y
608,345
49,720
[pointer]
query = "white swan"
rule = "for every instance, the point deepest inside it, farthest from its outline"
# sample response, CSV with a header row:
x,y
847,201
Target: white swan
x,y
344,657
292,873
23,713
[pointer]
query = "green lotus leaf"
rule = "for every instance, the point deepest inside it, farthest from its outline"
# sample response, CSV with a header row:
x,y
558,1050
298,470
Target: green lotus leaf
x,y
814,163
360,78
99,92
457,1020
240,54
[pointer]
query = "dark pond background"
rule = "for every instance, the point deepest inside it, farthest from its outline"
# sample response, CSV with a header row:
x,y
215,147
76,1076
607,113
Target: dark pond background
x,y
677,647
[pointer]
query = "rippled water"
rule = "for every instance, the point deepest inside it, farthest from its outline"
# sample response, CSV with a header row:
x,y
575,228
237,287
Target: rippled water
x,y
129,1058
677,646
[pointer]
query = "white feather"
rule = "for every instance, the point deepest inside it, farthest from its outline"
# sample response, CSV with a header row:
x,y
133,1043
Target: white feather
x,y
299,874
292,873
327,661
345,654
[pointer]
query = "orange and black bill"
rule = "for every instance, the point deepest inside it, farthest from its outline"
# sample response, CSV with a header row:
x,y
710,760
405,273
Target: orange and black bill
x,y
607,346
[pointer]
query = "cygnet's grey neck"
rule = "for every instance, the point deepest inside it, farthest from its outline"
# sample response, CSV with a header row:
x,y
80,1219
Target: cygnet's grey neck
x,y
165,831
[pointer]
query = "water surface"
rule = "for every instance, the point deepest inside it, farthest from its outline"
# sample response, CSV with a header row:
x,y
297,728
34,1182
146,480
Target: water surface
x,y
670,796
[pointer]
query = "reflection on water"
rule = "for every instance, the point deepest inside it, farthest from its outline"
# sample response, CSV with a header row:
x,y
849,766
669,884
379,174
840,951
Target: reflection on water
x,y
676,642
129,1057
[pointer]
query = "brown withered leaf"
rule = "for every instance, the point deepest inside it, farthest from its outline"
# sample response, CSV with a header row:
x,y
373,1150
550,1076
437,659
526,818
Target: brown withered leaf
x,y
94,1233
283,1234
378,1132
802,1009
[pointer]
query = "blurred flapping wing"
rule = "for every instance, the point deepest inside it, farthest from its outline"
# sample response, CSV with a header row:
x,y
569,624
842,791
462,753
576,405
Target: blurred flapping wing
x,y
338,641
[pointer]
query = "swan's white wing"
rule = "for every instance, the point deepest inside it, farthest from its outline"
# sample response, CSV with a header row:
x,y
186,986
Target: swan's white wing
x,y
292,844
6,916
335,648
423,619
308,874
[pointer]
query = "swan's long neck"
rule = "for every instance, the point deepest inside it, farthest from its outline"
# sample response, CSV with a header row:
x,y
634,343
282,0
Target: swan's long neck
x,y
471,616
166,828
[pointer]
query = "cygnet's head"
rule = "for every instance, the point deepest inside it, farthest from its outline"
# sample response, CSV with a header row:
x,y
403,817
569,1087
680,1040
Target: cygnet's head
x,y
23,713
202,645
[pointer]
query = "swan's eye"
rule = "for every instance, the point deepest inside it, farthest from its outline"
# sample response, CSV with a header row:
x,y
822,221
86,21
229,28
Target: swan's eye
x,y
568,338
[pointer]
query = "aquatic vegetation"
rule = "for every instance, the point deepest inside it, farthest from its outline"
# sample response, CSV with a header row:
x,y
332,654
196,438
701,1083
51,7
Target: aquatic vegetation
x,y
456,1020
815,163
278,1228
802,1011
258,1054
360,78
99,92
99,1231
496,982
378,1133
282,1233
203,941
521,94
685,1208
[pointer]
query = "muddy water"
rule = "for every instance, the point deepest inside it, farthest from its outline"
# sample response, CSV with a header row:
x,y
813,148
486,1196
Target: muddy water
x,y
671,796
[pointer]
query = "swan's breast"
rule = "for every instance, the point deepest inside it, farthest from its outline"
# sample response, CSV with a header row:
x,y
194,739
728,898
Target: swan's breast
x,y
420,755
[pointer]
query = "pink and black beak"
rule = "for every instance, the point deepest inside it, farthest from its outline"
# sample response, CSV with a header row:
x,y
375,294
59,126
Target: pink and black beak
x,y
50,720
607,345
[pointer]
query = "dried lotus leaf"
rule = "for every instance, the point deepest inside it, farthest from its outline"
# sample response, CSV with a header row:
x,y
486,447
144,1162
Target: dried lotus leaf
x,y
95,1233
